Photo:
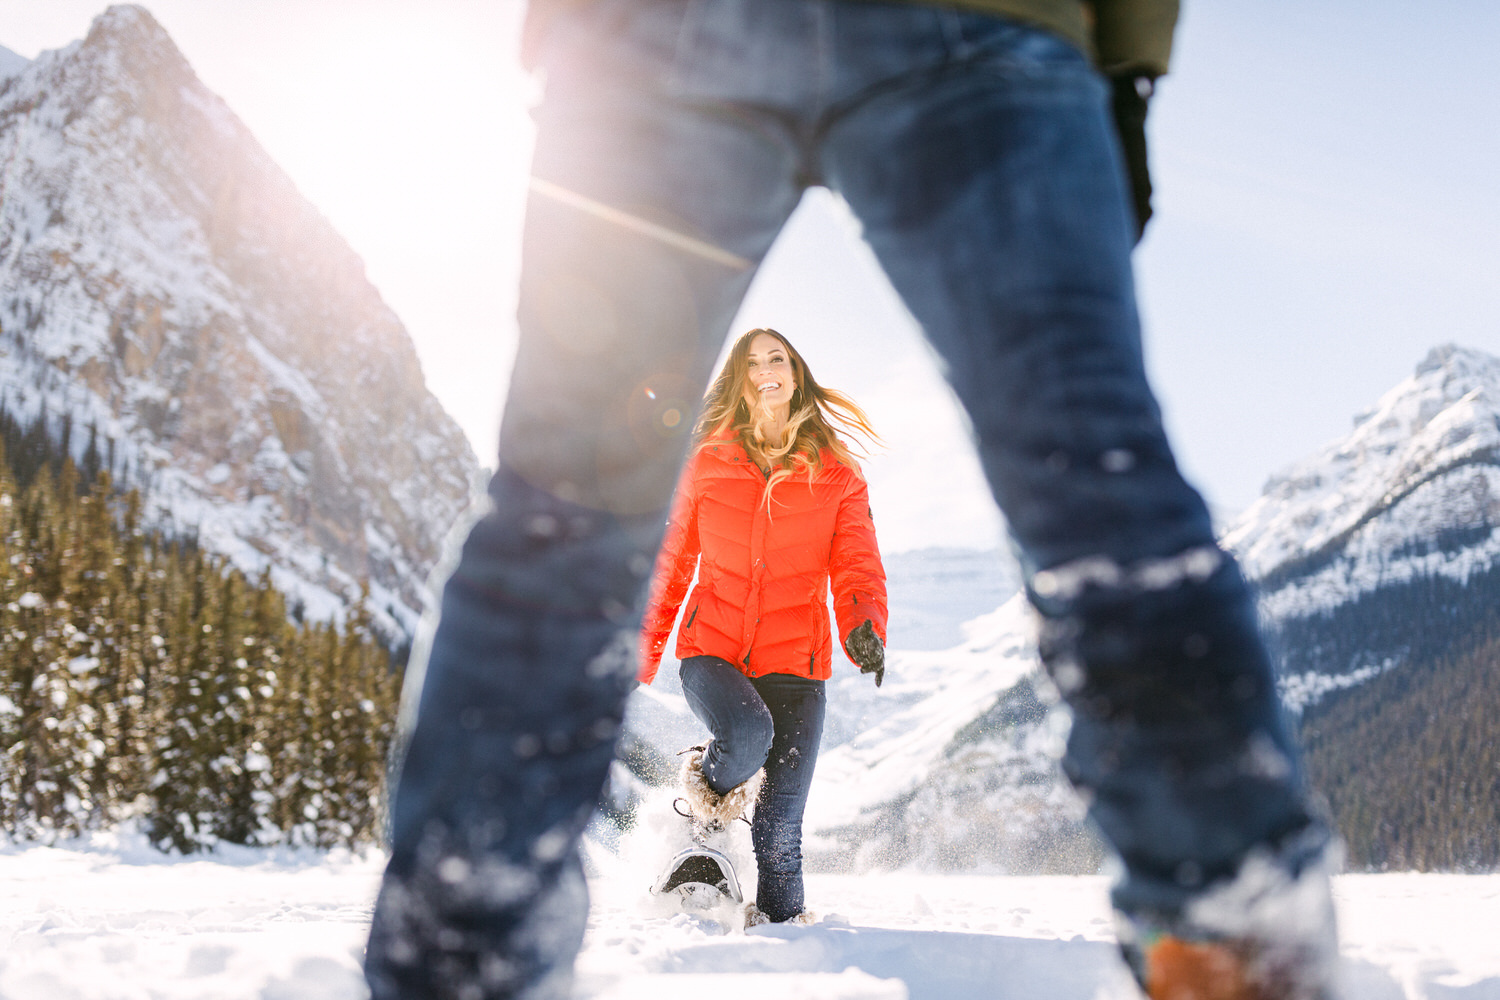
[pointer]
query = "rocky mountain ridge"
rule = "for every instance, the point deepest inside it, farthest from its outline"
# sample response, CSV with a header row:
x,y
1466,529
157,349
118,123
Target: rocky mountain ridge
x,y
166,289
1409,499
1419,464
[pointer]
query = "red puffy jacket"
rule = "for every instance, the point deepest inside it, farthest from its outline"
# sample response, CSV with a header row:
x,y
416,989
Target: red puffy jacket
x,y
762,591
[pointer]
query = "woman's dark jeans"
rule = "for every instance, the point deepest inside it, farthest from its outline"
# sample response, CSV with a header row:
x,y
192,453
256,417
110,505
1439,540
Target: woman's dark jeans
x,y
775,721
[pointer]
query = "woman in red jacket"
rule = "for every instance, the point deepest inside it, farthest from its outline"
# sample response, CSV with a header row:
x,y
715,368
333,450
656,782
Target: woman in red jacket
x,y
771,510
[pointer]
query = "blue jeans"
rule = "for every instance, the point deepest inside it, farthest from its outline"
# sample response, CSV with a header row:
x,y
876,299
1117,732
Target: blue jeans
x,y
674,140
775,721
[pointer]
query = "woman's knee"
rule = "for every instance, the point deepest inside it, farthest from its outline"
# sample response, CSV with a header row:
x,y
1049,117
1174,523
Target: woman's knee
x,y
734,712
743,745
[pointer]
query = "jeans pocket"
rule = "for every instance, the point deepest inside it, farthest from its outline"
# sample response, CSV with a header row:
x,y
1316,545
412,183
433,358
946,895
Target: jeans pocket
x,y
706,51
997,44
747,52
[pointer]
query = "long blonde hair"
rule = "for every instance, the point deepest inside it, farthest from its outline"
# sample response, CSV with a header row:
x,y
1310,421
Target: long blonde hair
x,y
809,428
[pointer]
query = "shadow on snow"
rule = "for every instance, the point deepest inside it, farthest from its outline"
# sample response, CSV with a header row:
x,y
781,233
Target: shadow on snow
x,y
946,965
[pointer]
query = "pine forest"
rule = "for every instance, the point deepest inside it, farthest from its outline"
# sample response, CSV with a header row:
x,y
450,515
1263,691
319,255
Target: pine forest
x,y
144,679
1408,762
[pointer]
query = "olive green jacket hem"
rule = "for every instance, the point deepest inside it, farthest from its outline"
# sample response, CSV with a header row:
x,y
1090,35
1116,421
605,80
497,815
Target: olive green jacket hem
x,y
1122,36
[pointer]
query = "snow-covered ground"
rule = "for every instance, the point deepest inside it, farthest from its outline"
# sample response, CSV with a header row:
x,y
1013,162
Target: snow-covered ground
x,y
111,919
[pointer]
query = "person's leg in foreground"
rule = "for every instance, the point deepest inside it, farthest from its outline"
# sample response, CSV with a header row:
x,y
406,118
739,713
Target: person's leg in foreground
x,y
647,217
991,192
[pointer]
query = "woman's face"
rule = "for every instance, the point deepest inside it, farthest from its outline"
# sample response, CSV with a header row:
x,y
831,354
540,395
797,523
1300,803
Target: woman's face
x,y
771,379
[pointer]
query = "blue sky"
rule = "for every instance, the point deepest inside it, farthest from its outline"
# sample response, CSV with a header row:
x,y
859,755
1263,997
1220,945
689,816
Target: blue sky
x,y
1327,211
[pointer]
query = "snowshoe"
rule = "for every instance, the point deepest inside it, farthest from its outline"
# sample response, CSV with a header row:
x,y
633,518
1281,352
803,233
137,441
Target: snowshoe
x,y
700,877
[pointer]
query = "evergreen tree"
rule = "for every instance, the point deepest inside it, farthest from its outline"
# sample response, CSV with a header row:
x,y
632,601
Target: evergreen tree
x,y
54,749
265,644
140,676
12,685
362,723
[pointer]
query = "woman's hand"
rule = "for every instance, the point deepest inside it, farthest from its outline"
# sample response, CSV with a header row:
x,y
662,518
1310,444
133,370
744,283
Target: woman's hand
x,y
865,649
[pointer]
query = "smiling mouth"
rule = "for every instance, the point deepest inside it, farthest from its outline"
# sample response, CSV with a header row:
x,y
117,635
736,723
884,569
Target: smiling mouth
x,y
769,386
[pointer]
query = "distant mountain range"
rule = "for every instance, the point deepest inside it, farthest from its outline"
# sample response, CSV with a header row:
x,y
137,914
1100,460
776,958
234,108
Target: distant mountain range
x,y
167,293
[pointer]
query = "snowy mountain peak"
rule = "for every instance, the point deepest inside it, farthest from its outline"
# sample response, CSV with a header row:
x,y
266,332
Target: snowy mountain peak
x,y
1461,362
1426,438
129,27
163,282
126,54
11,64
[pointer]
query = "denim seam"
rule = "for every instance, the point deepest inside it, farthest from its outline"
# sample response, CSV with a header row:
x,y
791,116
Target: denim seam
x,y
823,47
951,27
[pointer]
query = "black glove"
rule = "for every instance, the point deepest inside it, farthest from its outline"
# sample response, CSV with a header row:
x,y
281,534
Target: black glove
x,y
865,648
1131,92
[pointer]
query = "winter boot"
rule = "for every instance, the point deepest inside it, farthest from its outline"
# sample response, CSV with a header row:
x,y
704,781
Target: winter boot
x,y
1266,934
711,812
755,917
